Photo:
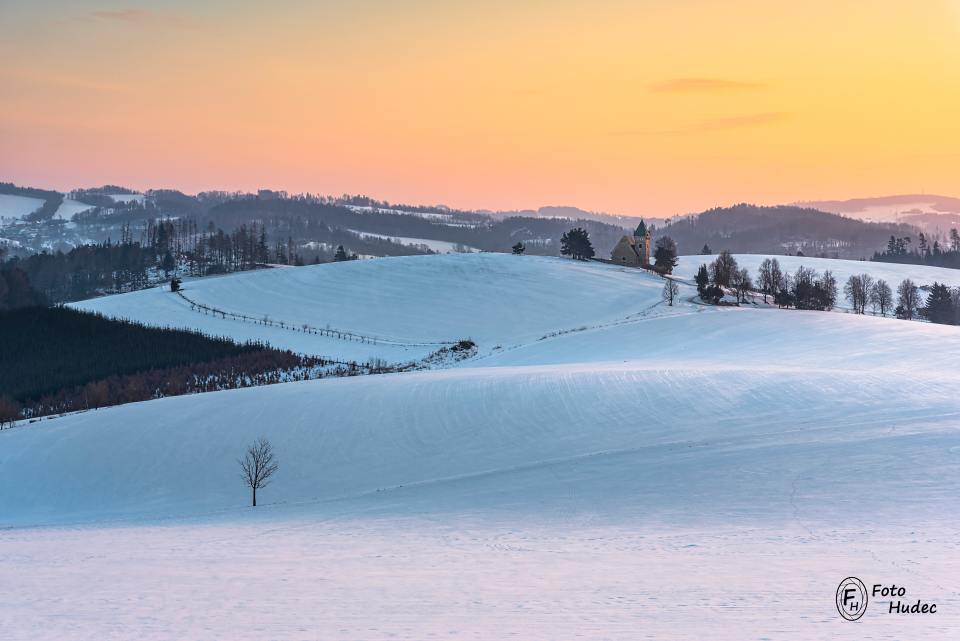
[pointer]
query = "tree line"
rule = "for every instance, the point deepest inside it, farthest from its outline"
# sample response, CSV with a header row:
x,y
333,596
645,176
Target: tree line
x,y
900,249
809,289
136,261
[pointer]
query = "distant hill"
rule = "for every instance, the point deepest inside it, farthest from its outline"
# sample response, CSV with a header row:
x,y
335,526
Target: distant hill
x,y
313,226
903,202
932,213
752,229
310,220
575,213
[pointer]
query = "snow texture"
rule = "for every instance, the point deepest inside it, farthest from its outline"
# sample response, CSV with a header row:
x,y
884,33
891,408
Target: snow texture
x,y
607,468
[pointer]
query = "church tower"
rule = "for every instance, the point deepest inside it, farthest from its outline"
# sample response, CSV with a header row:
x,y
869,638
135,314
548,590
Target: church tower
x,y
642,238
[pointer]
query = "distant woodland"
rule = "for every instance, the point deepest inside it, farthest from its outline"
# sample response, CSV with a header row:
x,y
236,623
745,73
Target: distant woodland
x,y
921,250
749,229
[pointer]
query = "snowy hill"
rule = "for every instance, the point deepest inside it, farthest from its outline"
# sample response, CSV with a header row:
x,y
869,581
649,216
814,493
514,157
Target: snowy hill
x,y
483,430
613,453
13,207
69,207
619,369
407,304
406,307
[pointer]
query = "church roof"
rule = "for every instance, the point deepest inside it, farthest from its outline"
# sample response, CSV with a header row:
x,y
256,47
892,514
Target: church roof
x,y
641,229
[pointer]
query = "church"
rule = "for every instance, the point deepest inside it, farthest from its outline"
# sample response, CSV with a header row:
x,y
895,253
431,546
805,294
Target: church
x,y
633,250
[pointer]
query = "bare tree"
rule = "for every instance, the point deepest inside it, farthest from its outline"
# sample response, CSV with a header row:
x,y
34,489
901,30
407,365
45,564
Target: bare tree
x,y
858,290
828,289
670,291
257,466
881,297
852,291
908,299
765,278
866,283
741,282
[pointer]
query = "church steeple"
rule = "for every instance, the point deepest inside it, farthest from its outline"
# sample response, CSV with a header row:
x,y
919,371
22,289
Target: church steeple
x,y
641,231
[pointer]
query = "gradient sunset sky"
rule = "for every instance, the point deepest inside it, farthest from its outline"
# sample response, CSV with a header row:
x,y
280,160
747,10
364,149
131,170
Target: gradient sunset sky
x,y
650,107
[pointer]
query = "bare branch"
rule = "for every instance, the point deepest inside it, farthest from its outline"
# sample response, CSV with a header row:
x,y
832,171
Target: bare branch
x,y
258,466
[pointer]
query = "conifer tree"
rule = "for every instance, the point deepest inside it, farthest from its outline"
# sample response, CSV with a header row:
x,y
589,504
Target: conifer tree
x,y
576,244
702,279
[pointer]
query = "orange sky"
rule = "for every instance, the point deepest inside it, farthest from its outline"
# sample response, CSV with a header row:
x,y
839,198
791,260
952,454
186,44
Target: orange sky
x,y
639,107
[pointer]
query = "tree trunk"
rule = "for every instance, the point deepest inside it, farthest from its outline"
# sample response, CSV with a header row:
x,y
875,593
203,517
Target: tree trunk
x,y
254,497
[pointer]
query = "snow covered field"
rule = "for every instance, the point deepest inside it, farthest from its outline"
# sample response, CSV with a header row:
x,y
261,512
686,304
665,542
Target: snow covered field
x,y
402,302
463,578
606,468
439,246
69,207
14,207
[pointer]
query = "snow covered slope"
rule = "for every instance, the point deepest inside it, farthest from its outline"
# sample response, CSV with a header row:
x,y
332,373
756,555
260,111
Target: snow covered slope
x,y
611,438
439,246
14,207
69,207
618,469
576,359
403,303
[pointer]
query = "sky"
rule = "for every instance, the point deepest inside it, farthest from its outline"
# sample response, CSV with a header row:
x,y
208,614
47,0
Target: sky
x,y
641,107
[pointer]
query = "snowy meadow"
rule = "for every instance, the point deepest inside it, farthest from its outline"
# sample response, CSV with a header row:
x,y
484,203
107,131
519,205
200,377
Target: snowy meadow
x,y
606,467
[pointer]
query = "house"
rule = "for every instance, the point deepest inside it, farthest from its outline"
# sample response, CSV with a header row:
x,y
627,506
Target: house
x,y
633,250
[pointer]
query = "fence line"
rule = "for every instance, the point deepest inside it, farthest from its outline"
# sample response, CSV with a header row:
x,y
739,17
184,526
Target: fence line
x,y
306,328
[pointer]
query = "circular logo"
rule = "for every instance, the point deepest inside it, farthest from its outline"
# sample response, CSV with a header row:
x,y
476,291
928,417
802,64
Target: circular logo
x,y
851,598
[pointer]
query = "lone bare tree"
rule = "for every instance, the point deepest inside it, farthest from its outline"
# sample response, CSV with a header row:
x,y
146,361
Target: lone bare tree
x,y
258,466
670,291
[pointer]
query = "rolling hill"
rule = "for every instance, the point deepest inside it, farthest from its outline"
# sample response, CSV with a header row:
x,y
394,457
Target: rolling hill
x,y
495,299
665,448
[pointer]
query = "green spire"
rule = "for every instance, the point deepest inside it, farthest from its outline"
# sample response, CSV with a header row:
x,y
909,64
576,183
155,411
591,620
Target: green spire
x,y
641,229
